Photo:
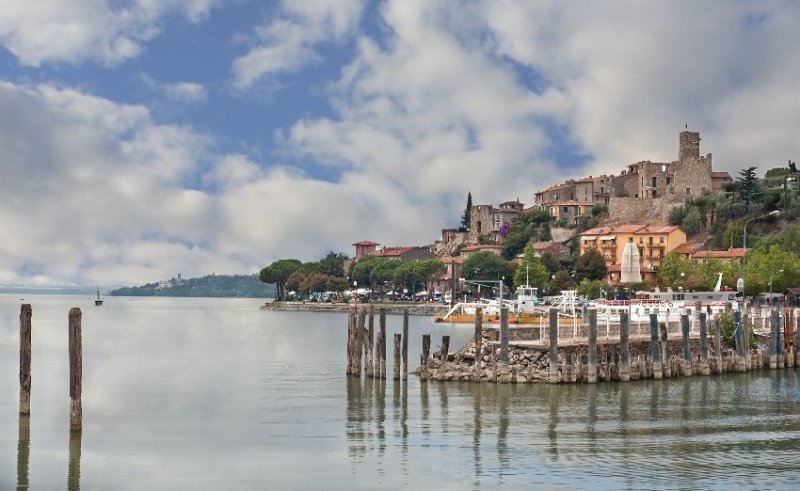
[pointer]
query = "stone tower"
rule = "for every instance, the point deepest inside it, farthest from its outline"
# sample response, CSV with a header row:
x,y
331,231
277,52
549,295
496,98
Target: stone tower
x,y
689,145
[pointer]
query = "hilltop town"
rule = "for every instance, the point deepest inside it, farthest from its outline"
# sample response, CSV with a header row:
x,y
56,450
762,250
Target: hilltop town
x,y
686,219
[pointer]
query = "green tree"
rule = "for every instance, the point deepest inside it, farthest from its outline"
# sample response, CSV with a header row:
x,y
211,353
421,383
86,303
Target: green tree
x,y
314,283
550,263
362,270
562,280
590,289
591,265
693,222
764,263
431,269
748,184
278,272
294,281
531,271
409,274
333,264
467,216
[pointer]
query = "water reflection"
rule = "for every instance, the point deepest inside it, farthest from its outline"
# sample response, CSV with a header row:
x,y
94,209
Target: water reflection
x,y
23,451
552,425
74,468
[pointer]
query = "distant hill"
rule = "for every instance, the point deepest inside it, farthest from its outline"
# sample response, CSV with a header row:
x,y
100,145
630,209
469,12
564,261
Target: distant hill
x,y
242,286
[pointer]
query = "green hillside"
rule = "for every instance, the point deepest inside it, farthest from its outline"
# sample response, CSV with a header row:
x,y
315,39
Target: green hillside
x,y
243,286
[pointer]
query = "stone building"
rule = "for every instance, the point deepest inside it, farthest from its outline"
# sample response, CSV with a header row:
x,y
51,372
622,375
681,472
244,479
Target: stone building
x,y
487,220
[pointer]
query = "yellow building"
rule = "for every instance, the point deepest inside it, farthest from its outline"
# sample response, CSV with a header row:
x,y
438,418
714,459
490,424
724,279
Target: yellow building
x,y
653,242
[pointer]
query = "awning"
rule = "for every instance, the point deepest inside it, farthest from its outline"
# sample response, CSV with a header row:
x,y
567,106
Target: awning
x,y
608,237
588,237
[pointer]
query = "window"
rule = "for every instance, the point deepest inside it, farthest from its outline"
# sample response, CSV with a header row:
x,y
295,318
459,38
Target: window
x,y
688,190
479,226
663,167
565,210
671,190
653,181
669,180
661,239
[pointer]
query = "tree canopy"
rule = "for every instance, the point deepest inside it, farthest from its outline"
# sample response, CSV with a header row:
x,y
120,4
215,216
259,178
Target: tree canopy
x,y
278,272
591,265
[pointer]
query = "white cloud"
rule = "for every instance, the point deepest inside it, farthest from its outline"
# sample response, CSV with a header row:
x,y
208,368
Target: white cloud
x,y
79,30
286,44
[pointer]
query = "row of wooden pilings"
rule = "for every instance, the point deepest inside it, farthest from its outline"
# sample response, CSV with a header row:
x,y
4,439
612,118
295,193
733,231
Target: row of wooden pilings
x,y
363,344
656,364
75,364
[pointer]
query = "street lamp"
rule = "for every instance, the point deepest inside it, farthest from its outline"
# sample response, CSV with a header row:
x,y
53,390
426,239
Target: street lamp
x,y
744,244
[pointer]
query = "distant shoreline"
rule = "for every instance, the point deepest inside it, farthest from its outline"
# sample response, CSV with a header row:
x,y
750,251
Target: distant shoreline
x,y
392,308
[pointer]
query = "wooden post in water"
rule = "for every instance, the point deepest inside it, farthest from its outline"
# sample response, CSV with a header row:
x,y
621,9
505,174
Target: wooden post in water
x,y
350,328
655,350
397,342
443,354
478,343
426,353
698,308
553,345
369,344
788,323
359,344
704,370
666,369
25,315
503,335
739,331
591,376
382,342
75,369
774,340
718,343
687,362
405,343
624,344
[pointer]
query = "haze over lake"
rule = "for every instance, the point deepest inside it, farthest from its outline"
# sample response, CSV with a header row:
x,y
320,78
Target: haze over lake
x,y
215,394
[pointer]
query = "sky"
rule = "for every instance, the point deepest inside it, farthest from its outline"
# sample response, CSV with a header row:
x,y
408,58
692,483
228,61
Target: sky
x,y
140,139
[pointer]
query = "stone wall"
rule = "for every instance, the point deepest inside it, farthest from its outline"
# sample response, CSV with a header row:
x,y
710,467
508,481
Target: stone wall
x,y
637,210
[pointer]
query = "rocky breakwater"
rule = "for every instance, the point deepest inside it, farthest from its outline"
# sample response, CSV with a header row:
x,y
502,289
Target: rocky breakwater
x,y
532,363
392,308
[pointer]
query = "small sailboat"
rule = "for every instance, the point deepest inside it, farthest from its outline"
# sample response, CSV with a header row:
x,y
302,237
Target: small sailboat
x,y
99,301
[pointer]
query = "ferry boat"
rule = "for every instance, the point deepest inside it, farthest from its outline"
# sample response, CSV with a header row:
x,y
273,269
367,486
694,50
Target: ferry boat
x,y
668,306
524,308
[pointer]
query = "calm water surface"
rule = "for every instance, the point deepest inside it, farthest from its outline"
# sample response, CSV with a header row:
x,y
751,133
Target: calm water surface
x,y
215,394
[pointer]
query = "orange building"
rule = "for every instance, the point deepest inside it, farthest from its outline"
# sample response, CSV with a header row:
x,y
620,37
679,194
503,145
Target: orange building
x,y
653,242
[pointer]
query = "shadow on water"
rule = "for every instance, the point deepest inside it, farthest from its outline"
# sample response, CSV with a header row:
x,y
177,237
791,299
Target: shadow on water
x,y
74,467
23,451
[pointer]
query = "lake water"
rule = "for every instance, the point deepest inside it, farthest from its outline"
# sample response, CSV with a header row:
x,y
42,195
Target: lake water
x,y
216,394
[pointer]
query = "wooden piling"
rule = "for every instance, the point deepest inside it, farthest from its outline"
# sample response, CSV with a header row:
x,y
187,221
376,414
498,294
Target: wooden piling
x,y
553,334
396,369
443,354
23,451
359,341
742,341
624,344
666,369
405,343
426,353
369,343
503,336
350,338
75,369
704,370
478,343
26,312
686,369
655,351
382,342
591,376
774,340
718,344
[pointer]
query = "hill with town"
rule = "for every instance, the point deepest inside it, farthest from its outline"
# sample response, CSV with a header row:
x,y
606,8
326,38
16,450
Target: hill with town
x,y
242,286
688,222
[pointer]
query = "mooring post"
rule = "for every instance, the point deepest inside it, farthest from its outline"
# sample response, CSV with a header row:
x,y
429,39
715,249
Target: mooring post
x,y
351,327
591,376
75,369
666,369
655,350
774,340
704,370
443,354
788,325
382,342
739,337
624,344
504,336
25,314
553,345
426,353
698,308
23,451
396,369
478,343
360,337
718,343
405,343
369,352
687,362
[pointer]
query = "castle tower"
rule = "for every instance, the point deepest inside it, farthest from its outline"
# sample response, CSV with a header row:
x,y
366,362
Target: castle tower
x,y
689,145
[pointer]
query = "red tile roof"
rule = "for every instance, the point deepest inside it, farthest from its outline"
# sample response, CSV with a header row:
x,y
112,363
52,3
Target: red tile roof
x,y
688,248
737,253
720,174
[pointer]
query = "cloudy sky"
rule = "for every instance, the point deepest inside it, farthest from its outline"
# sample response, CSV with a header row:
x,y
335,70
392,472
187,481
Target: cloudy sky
x,y
143,138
